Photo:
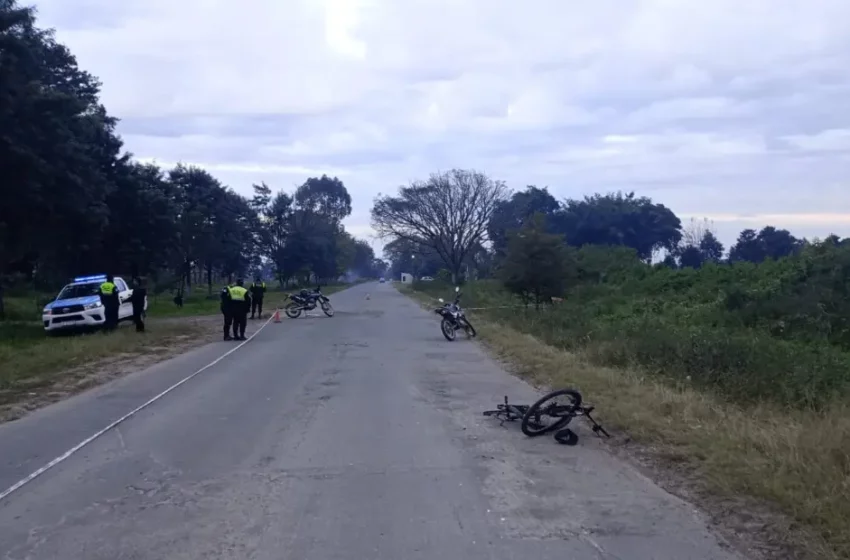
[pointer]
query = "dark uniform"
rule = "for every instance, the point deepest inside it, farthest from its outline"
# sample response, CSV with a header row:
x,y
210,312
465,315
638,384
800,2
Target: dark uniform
x,y
240,298
226,311
109,298
258,291
140,292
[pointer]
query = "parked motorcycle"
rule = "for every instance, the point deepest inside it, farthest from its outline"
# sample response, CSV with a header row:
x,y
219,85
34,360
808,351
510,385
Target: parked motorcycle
x,y
305,301
454,318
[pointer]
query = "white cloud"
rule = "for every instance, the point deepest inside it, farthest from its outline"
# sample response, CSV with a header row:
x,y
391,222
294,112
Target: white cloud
x,y
826,141
721,108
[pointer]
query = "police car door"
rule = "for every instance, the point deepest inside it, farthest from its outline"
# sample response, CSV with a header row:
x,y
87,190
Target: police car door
x,y
125,308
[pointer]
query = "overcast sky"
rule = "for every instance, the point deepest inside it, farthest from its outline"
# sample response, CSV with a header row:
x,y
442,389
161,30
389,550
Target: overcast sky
x,y
735,110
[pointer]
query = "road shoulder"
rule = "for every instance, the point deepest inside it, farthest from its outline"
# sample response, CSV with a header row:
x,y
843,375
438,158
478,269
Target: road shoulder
x,y
642,438
97,359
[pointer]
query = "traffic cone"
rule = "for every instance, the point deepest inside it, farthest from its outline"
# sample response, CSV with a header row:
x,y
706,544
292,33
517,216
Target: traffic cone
x,y
277,315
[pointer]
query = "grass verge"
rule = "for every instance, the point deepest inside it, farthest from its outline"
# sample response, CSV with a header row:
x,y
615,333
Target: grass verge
x,y
33,364
779,475
37,370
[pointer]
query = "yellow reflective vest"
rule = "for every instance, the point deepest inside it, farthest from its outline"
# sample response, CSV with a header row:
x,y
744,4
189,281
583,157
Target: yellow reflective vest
x,y
237,293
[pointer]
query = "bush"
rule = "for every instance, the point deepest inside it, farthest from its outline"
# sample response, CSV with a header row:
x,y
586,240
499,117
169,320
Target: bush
x,y
777,331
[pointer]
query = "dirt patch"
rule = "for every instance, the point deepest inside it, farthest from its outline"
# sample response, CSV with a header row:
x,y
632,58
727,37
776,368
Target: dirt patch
x,y
38,391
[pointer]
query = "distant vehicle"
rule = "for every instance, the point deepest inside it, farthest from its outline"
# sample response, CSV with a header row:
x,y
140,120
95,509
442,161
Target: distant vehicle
x,y
427,279
78,304
382,280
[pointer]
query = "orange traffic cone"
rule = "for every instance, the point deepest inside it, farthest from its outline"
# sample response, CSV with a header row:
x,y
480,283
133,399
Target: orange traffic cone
x,y
277,316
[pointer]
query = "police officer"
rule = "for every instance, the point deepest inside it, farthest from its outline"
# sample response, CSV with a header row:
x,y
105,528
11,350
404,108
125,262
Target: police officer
x,y
109,298
226,311
140,292
240,299
258,291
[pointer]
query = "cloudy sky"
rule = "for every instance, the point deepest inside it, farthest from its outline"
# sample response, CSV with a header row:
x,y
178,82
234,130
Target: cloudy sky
x,y
735,110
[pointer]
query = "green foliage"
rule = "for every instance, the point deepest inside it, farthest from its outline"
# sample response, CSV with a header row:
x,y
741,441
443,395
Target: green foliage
x,y
78,204
769,243
618,219
536,265
778,330
510,215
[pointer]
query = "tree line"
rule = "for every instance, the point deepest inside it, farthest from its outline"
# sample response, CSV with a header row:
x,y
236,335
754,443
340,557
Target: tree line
x,y
632,285
76,202
467,225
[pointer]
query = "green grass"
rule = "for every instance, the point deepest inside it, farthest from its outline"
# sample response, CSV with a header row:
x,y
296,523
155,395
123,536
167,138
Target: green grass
x,y
32,361
680,335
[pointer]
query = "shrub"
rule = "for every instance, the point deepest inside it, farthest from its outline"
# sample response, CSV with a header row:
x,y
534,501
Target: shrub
x,y
778,330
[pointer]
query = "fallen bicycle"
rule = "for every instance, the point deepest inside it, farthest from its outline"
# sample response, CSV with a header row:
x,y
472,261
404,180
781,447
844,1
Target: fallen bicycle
x,y
561,414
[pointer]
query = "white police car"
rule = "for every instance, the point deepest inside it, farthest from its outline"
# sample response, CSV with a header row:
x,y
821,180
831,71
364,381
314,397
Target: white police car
x,y
78,304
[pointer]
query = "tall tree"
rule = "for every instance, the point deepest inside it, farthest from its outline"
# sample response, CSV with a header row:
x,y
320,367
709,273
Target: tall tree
x,y
769,243
324,196
81,205
278,218
510,215
364,259
58,147
448,213
142,231
618,219
537,265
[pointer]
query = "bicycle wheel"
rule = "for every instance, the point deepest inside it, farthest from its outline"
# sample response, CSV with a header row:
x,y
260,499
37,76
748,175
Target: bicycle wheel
x,y
559,406
448,329
327,308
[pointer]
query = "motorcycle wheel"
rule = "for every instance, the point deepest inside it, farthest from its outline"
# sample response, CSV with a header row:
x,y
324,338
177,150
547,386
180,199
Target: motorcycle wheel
x,y
470,330
292,310
327,308
448,329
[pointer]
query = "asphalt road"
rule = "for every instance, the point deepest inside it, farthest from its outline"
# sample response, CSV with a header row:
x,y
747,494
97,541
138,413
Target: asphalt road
x,y
358,437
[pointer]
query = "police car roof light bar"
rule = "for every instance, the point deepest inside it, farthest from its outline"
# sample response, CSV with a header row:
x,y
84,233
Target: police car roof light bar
x,y
79,279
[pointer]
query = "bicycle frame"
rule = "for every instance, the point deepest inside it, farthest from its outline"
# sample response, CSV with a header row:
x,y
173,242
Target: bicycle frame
x,y
508,412
512,412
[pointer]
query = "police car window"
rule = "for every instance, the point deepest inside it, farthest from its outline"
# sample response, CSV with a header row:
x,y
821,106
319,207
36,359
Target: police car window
x,y
79,290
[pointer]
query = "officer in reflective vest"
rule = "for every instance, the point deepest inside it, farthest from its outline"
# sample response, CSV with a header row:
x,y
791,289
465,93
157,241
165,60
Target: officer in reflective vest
x,y
258,291
109,298
240,299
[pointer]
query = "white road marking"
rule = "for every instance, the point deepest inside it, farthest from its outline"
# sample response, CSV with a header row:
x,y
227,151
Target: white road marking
x,y
24,481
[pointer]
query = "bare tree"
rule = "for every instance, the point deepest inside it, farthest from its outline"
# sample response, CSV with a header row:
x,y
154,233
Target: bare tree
x,y
699,245
448,213
695,232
